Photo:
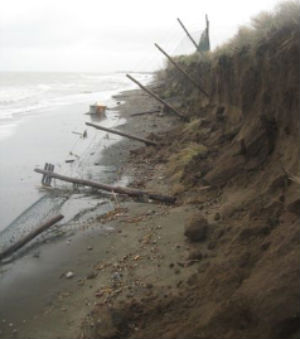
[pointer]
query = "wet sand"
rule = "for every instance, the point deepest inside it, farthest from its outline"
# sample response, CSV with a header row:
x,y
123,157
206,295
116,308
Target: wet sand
x,y
36,299
47,137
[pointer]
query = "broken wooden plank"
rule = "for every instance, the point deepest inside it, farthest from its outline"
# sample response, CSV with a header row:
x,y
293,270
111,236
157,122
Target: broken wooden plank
x,y
113,131
195,83
155,96
116,189
144,113
30,236
188,34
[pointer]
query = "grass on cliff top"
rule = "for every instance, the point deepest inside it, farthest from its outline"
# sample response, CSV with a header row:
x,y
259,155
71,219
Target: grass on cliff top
x,y
262,26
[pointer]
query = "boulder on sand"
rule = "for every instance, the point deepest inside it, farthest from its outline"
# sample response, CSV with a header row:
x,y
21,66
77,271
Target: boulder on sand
x,y
196,228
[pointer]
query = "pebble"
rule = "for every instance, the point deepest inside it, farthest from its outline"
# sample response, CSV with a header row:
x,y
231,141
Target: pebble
x,y
91,275
116,276
90,248
69,275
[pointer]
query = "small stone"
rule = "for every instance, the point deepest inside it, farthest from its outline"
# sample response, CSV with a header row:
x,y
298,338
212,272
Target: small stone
x,y
196,228
171,265
195,255
217,216
91,275
149,285
116,276
90,248
69,275
10,324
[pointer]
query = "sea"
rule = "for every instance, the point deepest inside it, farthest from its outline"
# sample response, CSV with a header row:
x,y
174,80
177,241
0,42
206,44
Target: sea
x,y
23,94
42,119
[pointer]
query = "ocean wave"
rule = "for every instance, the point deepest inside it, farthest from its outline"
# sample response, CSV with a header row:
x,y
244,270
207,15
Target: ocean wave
x,y
33,92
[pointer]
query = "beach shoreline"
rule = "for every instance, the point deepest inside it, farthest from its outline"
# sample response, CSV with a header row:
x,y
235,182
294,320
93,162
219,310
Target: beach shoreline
x,y
80,248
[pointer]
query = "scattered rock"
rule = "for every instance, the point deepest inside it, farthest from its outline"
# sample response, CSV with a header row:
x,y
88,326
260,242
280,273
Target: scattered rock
x,y
212,245
217,216
294,207
69,275
195,255
116,276
196,228
91,275
90,248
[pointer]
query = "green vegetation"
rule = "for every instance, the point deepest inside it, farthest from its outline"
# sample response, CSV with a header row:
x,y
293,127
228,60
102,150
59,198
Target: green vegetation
x,y
179,161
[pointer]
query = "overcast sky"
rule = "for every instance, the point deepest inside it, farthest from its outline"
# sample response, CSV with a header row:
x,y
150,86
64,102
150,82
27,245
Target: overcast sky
x,y
110,35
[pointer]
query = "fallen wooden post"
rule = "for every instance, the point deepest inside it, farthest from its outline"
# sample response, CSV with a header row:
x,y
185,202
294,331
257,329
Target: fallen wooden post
x,y
188,34
144,113
30,236
113,131
181,70
116,189
155,96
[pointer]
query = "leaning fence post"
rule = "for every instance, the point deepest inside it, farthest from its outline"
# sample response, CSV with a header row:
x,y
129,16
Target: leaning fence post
x,y
181,70
155,96
188,34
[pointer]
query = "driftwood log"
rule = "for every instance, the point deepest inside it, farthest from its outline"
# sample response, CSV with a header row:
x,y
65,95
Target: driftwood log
x,y
30,236
155,96
180,69
113,131
116,189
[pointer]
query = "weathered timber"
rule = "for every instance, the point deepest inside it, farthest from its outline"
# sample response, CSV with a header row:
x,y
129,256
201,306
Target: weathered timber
x,y
113,131
144,113
195,83
155,96
116,189
188,34
44,176
49,179
30,236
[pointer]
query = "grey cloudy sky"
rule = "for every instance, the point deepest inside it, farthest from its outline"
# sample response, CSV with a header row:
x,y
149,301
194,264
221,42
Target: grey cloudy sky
x,y
110,35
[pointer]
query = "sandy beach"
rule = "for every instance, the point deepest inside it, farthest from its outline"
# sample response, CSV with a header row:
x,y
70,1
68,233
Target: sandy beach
x,y
34,291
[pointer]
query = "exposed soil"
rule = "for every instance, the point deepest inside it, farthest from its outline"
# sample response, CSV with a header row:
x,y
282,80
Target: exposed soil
x,y
242,279
223,262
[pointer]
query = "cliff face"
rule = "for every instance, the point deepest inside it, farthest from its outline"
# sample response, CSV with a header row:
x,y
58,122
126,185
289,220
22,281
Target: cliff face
x,y
250,128
237,162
